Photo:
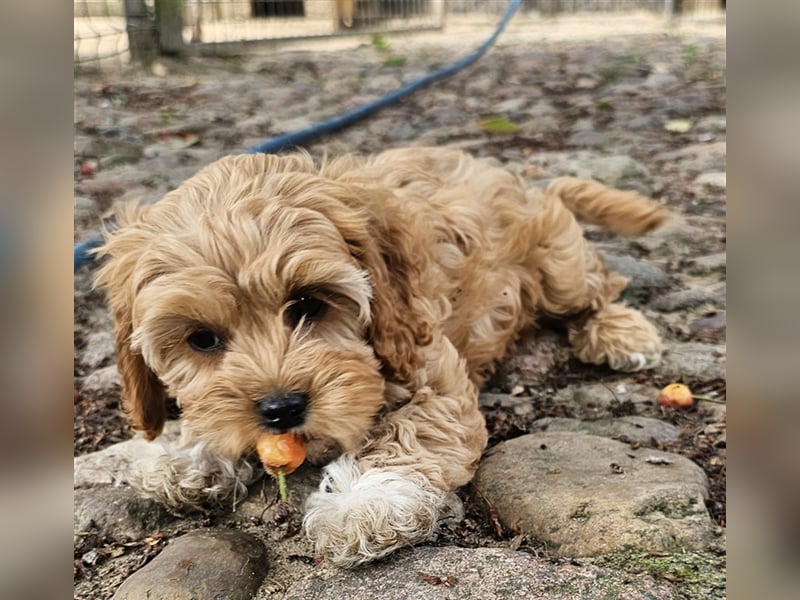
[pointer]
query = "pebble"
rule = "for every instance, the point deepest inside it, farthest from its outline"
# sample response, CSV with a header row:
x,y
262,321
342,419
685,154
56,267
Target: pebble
x,y
716,179
103,382
99,350
643,275
689,298
709,263
712,124
205,564
614,170
588,139
117,513
693,359
85,208
584,495
710,325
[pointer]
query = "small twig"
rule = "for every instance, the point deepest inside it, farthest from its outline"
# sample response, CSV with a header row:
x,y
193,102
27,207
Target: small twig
x,y
708,399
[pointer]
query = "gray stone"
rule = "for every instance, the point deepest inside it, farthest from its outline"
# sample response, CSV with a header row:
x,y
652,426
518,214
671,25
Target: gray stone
x,y
693,359
713,324
712,124
616,170
541,125
588,138
636,123
205,564
631,428
659,80
714,179
708,264
100,349
511,105
689,298
403,131
475,574
582,125
105,381
586,83
697,158
113,465
117,513
643,275
85,208
584,495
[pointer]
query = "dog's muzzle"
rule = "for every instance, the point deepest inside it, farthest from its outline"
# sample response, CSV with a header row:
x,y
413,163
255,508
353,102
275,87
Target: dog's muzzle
x,y
283,410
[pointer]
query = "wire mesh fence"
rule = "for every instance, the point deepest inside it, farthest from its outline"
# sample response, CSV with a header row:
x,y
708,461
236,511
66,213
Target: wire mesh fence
x,y
121,30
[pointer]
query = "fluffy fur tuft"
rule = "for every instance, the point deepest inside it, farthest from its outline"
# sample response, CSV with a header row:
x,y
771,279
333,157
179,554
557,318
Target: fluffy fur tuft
x,y
359,517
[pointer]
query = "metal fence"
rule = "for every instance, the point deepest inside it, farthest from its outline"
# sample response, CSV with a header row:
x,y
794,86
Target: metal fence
x,y
121,30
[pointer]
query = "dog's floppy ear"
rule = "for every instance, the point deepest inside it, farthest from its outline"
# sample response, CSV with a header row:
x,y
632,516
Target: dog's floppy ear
x,y
143,395
400,321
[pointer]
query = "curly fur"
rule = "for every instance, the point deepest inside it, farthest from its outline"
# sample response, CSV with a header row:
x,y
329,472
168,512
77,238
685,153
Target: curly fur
x,y
428,263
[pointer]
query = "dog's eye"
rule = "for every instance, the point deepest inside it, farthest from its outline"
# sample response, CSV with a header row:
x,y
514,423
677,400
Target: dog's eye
x,y
205,340
305,308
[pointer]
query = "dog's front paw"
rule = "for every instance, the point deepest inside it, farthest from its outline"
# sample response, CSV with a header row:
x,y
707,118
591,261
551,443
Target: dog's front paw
x,y
190,477
359,517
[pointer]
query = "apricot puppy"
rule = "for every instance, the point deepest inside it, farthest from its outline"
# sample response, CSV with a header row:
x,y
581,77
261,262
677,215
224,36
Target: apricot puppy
x,y
357,304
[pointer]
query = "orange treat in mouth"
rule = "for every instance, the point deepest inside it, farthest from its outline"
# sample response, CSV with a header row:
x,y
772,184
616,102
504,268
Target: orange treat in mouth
x,y
281,452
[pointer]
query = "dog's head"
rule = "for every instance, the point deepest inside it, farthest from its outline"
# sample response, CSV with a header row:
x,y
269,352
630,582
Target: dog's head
x,y
264,296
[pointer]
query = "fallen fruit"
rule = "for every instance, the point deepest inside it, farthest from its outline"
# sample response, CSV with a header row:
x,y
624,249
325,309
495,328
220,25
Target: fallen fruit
x,y
281,452
676,395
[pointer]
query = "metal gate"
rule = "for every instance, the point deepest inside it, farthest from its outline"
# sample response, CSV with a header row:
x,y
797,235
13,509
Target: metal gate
x,y
119,30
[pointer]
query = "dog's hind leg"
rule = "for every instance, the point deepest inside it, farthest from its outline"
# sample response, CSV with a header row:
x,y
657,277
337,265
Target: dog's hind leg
x,y
572,281
392,492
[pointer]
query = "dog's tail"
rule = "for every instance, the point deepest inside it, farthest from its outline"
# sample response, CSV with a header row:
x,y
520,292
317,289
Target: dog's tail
x,y
623,212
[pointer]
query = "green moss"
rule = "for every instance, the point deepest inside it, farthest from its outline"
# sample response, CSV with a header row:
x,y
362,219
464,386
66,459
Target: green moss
x,y
694,575
395,61
690,53
619,67
674,508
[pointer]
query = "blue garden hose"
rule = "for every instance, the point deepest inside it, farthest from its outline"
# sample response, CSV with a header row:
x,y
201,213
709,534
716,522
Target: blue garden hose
x,y
83,250
298,138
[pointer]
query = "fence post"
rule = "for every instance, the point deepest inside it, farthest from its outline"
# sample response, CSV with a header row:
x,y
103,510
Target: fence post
x,y
169,25
672,8
141,33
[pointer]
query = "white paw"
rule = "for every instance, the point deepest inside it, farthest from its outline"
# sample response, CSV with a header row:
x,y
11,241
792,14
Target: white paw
x,y
358,517
193,477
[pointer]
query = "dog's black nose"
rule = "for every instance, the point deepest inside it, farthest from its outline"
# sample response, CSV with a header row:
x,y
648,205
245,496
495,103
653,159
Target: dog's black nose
x,y
283,410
